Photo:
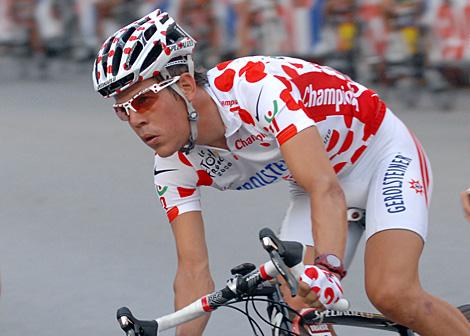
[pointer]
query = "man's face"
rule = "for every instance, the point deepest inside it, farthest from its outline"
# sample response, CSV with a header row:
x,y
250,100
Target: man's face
x,y
163,123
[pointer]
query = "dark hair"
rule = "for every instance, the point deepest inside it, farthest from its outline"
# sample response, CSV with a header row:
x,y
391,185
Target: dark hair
x,y
200,75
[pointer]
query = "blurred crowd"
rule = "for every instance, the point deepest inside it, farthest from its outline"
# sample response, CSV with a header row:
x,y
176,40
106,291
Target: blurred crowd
x,y
383,41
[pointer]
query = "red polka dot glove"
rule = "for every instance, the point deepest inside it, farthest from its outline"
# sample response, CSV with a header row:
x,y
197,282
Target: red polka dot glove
x,y
325,284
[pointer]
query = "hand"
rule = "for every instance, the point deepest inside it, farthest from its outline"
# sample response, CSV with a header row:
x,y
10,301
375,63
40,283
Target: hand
x,y
465,197
320,288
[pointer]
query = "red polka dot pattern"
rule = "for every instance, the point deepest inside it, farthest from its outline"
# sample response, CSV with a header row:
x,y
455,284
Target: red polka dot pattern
x,y
290,102
222,66
172,214
285,81
246,117
204,178
254,71
292,73
333,140
312,273
185,192
184,159
224,82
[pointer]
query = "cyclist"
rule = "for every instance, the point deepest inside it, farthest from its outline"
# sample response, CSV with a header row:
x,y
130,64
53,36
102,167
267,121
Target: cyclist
x,y
257,120
465,197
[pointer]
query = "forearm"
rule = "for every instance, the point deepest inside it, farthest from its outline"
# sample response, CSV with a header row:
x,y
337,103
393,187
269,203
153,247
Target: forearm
x,y
189,285
309,164
329,221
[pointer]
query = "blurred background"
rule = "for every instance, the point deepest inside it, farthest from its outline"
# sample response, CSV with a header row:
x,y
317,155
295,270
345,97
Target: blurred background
x,y
81,229
393,45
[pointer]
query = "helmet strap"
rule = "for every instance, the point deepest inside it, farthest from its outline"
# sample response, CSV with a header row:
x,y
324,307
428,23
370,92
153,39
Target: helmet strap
x,y
192,117
190,64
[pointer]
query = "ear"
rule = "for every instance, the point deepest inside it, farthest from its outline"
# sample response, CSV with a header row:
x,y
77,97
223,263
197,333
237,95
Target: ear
x,y
188,85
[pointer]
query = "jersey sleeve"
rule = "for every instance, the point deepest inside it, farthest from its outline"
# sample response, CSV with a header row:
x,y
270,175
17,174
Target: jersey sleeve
x,y
176,185
274,104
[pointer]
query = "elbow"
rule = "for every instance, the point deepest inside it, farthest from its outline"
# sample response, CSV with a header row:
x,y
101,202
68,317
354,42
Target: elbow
x,y
328,189
197,273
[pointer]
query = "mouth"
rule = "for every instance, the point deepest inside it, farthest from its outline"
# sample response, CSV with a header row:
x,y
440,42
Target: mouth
x,y
150,139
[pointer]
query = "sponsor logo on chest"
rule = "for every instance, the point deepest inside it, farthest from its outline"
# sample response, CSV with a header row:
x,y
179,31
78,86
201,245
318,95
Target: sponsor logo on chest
x,y
213,164
271,173
330,96
250,140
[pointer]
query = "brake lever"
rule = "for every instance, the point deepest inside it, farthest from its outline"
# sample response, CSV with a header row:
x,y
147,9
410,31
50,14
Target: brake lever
x,y
284,272
277,252
134,327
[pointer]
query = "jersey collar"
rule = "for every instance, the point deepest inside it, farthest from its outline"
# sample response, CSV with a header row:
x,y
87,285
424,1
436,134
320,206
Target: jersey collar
x,y
231,123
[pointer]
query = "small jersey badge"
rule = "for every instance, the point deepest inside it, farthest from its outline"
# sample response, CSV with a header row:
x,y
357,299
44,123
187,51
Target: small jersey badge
x,y
416,186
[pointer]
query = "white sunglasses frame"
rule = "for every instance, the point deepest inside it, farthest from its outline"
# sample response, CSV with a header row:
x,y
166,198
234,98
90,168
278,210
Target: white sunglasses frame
x,y
155,88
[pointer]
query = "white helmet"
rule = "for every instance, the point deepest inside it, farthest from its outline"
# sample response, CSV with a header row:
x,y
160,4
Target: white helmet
x,y
142,50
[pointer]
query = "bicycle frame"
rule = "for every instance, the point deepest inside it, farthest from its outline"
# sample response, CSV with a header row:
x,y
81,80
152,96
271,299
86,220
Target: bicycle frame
x,y
313,322
355,319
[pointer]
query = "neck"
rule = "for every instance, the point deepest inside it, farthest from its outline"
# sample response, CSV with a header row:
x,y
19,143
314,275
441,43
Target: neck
x,y
211,129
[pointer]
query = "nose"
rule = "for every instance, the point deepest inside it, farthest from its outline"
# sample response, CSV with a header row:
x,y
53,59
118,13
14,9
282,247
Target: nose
x,y
137,120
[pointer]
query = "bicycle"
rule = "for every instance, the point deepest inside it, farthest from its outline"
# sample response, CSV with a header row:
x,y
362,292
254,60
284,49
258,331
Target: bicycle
x,y
250,284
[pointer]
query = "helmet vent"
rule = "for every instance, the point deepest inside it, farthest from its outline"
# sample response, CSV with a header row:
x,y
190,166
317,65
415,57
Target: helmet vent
x,y
164,18
174,34
96,71
127,34
149,32
152,56
117,60
135,53
144,20
113,87
108,45
105,65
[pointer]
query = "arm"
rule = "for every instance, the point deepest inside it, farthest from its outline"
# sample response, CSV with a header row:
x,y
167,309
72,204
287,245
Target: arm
x,y
465,197
308,163
193,278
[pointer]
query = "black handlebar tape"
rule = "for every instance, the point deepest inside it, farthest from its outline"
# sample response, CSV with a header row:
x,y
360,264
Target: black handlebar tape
x,y
220,297
248,282
141,328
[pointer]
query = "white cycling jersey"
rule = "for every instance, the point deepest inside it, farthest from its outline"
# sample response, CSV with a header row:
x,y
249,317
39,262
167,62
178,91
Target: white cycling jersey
x,y
263,102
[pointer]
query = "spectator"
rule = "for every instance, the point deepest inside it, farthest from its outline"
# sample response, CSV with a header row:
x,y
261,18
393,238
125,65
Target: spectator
x,y
87,20
199,18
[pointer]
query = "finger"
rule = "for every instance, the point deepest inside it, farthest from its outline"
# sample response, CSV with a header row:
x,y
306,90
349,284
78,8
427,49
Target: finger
x,y
303,289
312,301
310,298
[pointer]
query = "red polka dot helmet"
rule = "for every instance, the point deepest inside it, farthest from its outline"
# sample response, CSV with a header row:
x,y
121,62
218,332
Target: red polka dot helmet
x,y
141,50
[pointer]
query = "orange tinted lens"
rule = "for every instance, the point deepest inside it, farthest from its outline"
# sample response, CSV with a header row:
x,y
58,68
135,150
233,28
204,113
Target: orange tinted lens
x,y
121,113
144,103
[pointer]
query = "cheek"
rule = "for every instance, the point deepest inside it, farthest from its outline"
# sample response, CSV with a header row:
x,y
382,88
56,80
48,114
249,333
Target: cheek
x,y
179,117
175,117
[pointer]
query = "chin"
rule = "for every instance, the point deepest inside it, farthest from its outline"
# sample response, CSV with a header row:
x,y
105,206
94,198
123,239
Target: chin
x,y
165,152
164,155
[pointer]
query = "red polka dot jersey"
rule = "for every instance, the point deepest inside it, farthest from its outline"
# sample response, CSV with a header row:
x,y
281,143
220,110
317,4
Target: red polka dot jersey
x,y
263,102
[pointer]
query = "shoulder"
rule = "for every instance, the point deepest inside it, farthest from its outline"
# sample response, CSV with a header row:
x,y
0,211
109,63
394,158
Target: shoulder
x,y
245,75
174,168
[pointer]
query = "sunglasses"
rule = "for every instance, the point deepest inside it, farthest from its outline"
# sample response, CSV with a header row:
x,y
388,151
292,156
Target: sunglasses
x,y
142,101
